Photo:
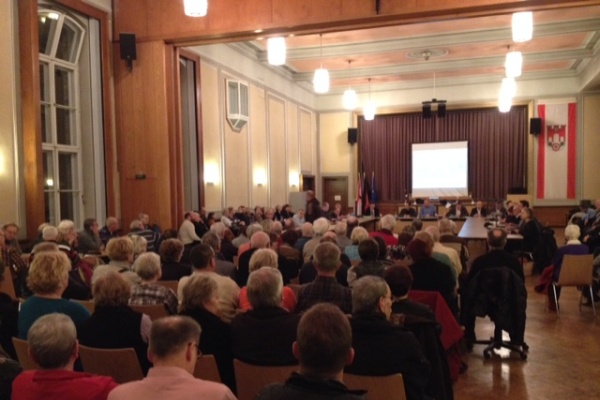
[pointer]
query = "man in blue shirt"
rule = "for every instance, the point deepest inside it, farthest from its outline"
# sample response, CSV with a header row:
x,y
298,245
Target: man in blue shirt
x,y
427,210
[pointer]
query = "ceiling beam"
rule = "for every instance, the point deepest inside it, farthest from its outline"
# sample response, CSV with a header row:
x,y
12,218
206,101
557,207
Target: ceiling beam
x,y
431,41
447,65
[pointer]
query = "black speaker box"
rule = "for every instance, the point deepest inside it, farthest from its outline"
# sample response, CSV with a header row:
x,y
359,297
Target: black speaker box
x,y
127,45
441,110
426,111
352,135
535,126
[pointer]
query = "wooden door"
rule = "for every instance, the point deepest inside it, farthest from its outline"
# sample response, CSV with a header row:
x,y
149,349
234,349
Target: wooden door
x,y
335,190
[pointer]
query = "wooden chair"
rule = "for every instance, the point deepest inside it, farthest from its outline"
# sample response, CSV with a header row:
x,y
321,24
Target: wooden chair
x,y
389,387
154,311
206,368
576,270
8,287
21,348
88,304
250,379
120,364
169,284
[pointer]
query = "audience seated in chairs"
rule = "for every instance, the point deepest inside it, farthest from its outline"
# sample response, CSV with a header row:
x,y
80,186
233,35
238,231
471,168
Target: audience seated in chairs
x,y
120,253
203,262
572,247
369,264
53,345
222,266
200,301
382,348
323,347
431,274
308,272
325,287
147,266
114,325
18,269
48,279
259,240
358,235
266,258
173,350
264,334
172,269
421,321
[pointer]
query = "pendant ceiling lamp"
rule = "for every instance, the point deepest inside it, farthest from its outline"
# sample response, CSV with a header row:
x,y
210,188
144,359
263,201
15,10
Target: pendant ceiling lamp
x,y
321,77
350,99
195,8
369,108
522,26
513,64
276,50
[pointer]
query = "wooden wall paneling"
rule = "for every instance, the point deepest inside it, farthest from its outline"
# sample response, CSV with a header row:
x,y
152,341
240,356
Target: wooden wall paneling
x,y
555,216
143,131
278,170
30,114
237,20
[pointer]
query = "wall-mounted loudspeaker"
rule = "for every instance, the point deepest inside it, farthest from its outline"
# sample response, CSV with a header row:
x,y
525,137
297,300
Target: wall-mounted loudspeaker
x,y
426,110
352,135
535,126
128,50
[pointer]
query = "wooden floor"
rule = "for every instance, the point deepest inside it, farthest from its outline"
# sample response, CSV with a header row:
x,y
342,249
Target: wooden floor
x,y
564,355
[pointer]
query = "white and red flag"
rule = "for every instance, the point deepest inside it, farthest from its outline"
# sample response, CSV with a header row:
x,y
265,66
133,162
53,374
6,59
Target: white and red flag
x,y
557,151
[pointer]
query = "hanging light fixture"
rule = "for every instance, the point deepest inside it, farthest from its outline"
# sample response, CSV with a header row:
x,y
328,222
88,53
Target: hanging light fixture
x,y
321,78
522,26
350,100
195,8
513,64
508,87
369,108
504,103
276,50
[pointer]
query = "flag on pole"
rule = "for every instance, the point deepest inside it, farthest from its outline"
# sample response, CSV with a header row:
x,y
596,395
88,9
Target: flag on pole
x,y
374,198
557,151
366,193
358,209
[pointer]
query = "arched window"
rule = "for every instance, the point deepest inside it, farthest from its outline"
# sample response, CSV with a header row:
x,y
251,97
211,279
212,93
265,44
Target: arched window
x,y
61,38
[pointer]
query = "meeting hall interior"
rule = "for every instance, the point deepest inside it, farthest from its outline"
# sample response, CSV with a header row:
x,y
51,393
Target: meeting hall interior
x,y
122,107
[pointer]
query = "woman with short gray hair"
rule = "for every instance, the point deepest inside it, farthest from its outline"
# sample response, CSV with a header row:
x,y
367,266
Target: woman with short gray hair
x,y
147,266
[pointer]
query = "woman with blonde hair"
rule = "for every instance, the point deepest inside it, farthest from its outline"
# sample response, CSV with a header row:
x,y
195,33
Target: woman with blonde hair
x,y
358,235
48,278
266,258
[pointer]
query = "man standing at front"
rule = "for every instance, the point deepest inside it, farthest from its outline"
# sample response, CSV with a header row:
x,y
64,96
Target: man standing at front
x,y
173,350
313,208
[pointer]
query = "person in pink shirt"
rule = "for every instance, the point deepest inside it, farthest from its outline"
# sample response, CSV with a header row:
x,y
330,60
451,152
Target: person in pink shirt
x,y
53,346
173,350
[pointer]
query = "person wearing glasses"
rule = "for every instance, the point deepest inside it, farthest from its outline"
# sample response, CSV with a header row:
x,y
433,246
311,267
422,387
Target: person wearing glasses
x,y
173,351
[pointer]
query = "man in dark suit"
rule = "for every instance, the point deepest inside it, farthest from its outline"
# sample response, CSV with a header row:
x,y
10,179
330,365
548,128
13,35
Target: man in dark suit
x,y
479,210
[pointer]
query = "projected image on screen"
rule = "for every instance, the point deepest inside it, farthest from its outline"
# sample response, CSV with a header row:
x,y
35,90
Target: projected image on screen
x,y
440,169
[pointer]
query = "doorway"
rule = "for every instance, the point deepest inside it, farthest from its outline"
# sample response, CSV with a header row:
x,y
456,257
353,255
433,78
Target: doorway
x,y
335,190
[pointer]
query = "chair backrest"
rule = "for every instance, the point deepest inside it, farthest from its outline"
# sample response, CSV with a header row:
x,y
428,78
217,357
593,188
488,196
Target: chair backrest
x,y
154,311
389,387
121,364
576,270
88,304
21,348
8,287
250,379
206,368
169,284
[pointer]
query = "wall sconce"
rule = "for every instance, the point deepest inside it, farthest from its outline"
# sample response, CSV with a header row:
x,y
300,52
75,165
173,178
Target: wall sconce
x,y
211,174
294,179
195,8
260,177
